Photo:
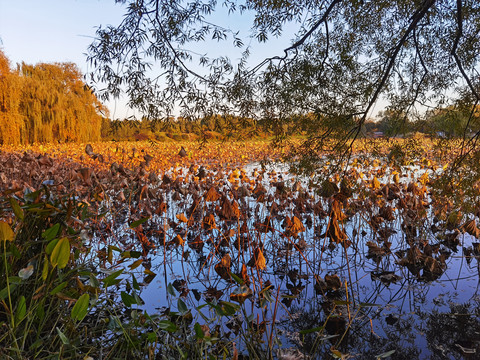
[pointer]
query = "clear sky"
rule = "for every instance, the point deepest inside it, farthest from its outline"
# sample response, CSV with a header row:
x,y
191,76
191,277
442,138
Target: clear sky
x,y
36,31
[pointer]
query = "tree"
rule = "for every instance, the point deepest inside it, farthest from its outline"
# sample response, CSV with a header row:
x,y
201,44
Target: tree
x,y
392,123
12,127
46,103
455,121
346,56
57,106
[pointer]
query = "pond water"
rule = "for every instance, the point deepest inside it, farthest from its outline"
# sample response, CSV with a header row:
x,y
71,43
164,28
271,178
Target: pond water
x,y
365,269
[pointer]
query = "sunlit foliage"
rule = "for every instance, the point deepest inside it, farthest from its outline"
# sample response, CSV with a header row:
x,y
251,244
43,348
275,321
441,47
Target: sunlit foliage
x,y
46,103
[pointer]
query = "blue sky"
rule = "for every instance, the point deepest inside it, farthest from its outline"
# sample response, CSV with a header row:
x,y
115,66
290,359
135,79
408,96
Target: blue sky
x,y
36,31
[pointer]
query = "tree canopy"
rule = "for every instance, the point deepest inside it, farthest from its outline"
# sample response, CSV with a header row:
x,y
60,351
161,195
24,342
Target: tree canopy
x,y
46,103
345,57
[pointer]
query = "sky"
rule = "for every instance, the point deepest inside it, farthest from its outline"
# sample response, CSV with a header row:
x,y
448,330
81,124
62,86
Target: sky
x,y
36,31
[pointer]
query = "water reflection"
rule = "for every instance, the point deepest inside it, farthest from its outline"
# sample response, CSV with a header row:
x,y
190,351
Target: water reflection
x,y
365,271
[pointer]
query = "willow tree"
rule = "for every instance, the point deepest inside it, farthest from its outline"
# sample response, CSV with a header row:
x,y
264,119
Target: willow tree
x,y
11,122
344,58
57,106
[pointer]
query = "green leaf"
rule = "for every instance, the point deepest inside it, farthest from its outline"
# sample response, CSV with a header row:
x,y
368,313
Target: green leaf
x,y
4,291
61,253
128,299
51,245
134,224
93,281
170,289
6,232
135,284
198,331
341,302
229,308
17,210
21,309
59,288
80,309
112,278
62,337
385,355
131,254
182,307
237,279
40,311
151,337
309,331
167,325
45,269
15,251
51,232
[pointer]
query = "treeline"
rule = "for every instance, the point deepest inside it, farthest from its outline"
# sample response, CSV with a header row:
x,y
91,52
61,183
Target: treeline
x,y
46,103
210,127
451,121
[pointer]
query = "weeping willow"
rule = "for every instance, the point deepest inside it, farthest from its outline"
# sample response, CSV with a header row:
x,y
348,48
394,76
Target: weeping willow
x,y
12,127
45,103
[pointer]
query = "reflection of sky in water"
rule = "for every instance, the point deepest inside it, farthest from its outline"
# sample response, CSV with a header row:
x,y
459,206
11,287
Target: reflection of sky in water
x,y
405,302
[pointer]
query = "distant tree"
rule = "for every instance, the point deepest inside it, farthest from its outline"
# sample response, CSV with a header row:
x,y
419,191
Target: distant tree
x,y
57,105
12,129
46,103
393,123
454,121
345,56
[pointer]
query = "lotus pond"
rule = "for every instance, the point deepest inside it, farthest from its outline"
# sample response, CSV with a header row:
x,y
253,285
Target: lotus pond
x,y
212,255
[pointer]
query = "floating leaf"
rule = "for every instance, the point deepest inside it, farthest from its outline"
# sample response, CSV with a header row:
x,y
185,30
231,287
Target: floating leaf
x,y
181,217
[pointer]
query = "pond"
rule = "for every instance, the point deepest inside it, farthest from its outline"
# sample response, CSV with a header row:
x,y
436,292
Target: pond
x,y
369,266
